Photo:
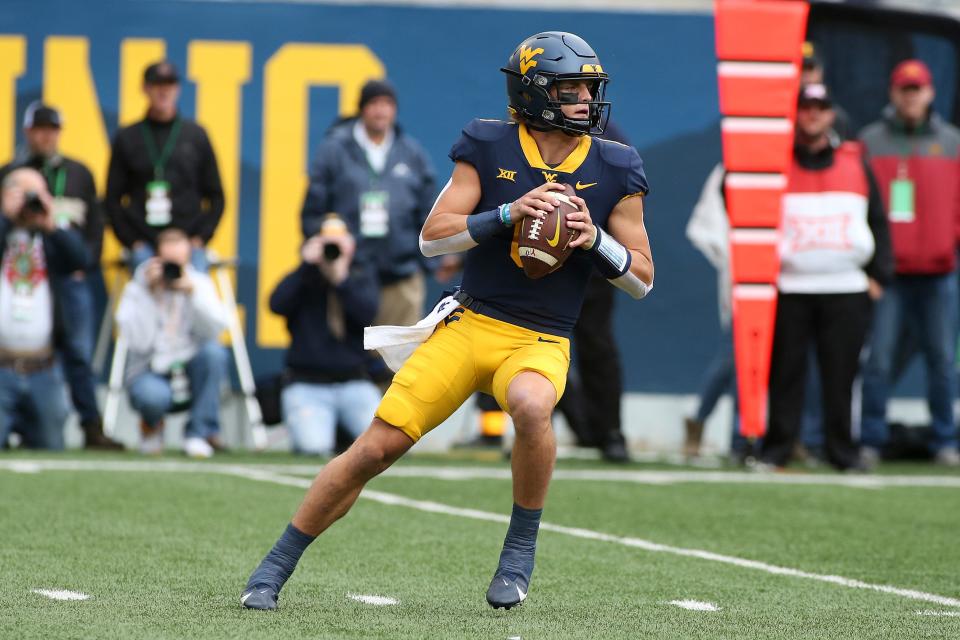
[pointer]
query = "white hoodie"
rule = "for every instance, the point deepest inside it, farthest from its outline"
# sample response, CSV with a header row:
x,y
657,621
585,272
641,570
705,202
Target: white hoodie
x,y
166,327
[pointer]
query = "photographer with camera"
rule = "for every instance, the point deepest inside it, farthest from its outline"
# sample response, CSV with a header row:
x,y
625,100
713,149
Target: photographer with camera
x,y
327,302
33,250
75,204
171,317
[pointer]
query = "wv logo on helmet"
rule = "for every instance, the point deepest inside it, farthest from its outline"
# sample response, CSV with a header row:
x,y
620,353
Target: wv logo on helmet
x,y
527,56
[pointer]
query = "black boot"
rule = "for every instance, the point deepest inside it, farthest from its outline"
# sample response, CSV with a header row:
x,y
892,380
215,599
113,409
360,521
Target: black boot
x,y
95,438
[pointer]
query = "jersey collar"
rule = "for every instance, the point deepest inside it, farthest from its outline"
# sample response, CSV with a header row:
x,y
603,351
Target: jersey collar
x,y
570,164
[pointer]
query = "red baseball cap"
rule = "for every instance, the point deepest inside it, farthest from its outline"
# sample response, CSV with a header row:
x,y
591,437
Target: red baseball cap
x,y
911,73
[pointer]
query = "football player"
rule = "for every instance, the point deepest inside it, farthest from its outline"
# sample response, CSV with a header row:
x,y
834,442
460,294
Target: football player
x,y
509,338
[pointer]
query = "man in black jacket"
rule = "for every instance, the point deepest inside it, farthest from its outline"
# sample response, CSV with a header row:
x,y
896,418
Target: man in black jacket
x,y
381,182
75,205
165,168
33,251
327,302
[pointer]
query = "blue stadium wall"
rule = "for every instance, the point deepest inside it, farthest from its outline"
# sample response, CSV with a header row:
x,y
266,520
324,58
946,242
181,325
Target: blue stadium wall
x,y
270,110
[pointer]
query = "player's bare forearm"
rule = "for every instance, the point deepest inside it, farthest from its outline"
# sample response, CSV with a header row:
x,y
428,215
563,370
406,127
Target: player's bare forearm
x,y
642,266
450,227
456,201
626,225
445,230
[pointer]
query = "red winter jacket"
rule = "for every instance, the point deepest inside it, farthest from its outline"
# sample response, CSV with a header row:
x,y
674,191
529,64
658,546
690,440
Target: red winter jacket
x,y
930,157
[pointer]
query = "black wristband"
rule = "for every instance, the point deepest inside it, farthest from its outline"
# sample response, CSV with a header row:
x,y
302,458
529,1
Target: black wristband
x,y
611,258
484,225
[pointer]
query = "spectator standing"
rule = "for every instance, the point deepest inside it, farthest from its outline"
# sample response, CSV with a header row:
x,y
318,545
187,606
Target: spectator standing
x,y
327,301
812,72
75,205
834,258
708,230
163,172
381,183
915,156
171,317
33,251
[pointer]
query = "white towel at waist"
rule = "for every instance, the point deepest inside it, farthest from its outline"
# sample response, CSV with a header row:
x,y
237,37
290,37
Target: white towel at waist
x,y
396,344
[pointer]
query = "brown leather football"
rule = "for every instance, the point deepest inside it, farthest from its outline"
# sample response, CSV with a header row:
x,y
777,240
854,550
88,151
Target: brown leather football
x,y
544,244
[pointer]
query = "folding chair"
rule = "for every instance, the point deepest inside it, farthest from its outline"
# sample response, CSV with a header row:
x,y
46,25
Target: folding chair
x,y
238,348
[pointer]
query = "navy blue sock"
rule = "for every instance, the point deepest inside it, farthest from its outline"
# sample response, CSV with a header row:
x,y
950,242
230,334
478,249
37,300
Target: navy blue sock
x,y
276,567
520,545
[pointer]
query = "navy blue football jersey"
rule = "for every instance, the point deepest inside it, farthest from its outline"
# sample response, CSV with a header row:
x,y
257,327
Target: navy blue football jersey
x,y
509,164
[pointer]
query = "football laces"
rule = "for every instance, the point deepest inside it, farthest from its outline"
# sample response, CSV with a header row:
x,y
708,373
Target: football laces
x,y
535,229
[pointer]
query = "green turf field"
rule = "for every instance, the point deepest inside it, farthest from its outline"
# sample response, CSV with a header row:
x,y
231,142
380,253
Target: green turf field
x,y
163,549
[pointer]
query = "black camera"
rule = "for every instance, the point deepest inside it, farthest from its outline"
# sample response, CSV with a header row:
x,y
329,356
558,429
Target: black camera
x,y
331,251
172,271
32,203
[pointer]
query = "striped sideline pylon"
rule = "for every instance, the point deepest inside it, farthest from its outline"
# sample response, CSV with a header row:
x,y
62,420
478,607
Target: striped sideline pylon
x,y
759,53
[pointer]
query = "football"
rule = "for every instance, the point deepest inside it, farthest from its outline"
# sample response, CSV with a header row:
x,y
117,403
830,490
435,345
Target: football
x,y
544,244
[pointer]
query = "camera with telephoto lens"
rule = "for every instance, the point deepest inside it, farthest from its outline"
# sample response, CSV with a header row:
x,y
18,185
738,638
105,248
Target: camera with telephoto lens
x,y
332,226
171,272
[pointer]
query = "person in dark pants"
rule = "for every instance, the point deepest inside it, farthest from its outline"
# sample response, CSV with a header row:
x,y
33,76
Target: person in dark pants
x,y
74,205
163,173
598,361
835,257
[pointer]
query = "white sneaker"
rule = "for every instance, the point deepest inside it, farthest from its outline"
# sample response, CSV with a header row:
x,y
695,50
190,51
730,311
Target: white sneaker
x,y
197,448
947,457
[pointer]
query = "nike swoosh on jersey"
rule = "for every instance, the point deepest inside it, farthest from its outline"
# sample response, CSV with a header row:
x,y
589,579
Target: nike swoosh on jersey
x,y
539,339
584,186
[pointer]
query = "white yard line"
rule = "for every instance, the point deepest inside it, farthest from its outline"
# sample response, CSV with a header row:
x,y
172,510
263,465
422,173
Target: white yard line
x,y
939,614
694,605
455,473
61,594
377,601
646,545
262,475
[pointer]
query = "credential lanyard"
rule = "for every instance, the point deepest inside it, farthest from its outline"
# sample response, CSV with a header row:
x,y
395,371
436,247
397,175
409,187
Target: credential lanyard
x,y
160,160
58,183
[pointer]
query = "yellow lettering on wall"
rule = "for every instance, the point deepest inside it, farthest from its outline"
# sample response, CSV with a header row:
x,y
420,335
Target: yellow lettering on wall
x,y
288,75
219,70
13,59
135,55
68,85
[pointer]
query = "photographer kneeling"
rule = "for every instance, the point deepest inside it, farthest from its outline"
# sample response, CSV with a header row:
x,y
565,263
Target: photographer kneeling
x,y
327,302
171,317
32,251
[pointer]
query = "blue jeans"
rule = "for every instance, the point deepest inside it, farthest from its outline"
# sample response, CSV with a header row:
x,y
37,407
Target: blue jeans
x,y
312,411
926,307
76,301
39,401
721,378
198,257
152,397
